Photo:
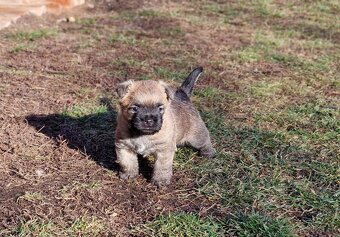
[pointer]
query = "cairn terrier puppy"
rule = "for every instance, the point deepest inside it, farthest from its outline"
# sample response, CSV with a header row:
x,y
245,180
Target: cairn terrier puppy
x,y
153,119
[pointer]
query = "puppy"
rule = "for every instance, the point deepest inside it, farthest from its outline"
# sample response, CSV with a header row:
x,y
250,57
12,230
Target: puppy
x,y
153,119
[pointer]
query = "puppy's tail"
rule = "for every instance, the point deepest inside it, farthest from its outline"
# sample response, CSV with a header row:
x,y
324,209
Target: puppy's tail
x,y
185,90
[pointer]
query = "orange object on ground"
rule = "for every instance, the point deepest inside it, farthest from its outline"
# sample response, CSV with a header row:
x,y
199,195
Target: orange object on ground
x,y
12,10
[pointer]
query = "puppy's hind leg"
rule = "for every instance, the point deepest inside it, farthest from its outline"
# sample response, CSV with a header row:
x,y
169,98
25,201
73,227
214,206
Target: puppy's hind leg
x,y
128,162
202,142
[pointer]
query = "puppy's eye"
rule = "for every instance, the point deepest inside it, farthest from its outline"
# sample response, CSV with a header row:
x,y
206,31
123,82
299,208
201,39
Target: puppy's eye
x,y
161,108
133,109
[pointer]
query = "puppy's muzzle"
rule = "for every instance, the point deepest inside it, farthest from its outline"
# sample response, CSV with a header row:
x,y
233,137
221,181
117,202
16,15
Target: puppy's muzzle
x,y
148,121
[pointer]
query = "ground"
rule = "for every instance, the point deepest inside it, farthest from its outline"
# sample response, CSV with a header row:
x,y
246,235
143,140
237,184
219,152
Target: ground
x,y
269,96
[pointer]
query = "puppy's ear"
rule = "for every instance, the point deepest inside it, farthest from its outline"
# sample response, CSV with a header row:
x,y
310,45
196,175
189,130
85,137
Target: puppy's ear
x,y
168,90
123,88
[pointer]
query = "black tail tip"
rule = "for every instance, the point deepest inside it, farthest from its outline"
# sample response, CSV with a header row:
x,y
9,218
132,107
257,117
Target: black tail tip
x,y
185,90
199,69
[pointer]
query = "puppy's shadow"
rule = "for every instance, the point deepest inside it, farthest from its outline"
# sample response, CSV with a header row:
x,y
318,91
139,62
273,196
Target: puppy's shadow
x,y
93,134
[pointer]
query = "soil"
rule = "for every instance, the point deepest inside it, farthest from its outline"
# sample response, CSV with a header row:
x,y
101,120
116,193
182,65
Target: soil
x,y
45,152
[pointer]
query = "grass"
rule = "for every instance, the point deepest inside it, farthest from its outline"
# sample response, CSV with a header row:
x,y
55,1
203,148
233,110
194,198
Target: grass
x,y
172,32
258,225
264,89
33,35
82,226
82,110
86,226
123,37
256,170
21,47
32,196
269,97
86,21
314,121
95,122
169,74
182,224
130,62
27,39
144,13
184,158
71,190
188,224
36,227
149,13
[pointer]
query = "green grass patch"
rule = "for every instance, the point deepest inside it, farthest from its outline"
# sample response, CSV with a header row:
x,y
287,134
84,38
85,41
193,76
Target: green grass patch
x,y
86,226
34,35
132,15
262,7
270,46
315,121
37,227
317,44
130,62
265,89
314,128
317,207
169,74
218,8
216,124
78,111
243,11
90,128
82,226
3,86
172,32
149,13
91,117
318,115
307,65
180,225
125,65
262,45
319,12
124,37
21,47
184,158
239,177
86,21
145,77
264,170
249,55
32,196
210,93
254,225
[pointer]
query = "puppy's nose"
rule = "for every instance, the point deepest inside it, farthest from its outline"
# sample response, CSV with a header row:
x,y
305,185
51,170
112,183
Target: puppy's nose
x,y
149,120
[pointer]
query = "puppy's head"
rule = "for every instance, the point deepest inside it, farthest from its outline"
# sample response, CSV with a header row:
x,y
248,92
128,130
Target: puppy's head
x,y
143,104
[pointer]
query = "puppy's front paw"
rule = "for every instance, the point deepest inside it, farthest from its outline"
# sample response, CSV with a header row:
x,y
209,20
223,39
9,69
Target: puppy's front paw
x,y
161,182
127,175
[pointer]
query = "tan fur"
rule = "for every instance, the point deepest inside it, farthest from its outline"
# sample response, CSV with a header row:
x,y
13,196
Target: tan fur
x,y
181,125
